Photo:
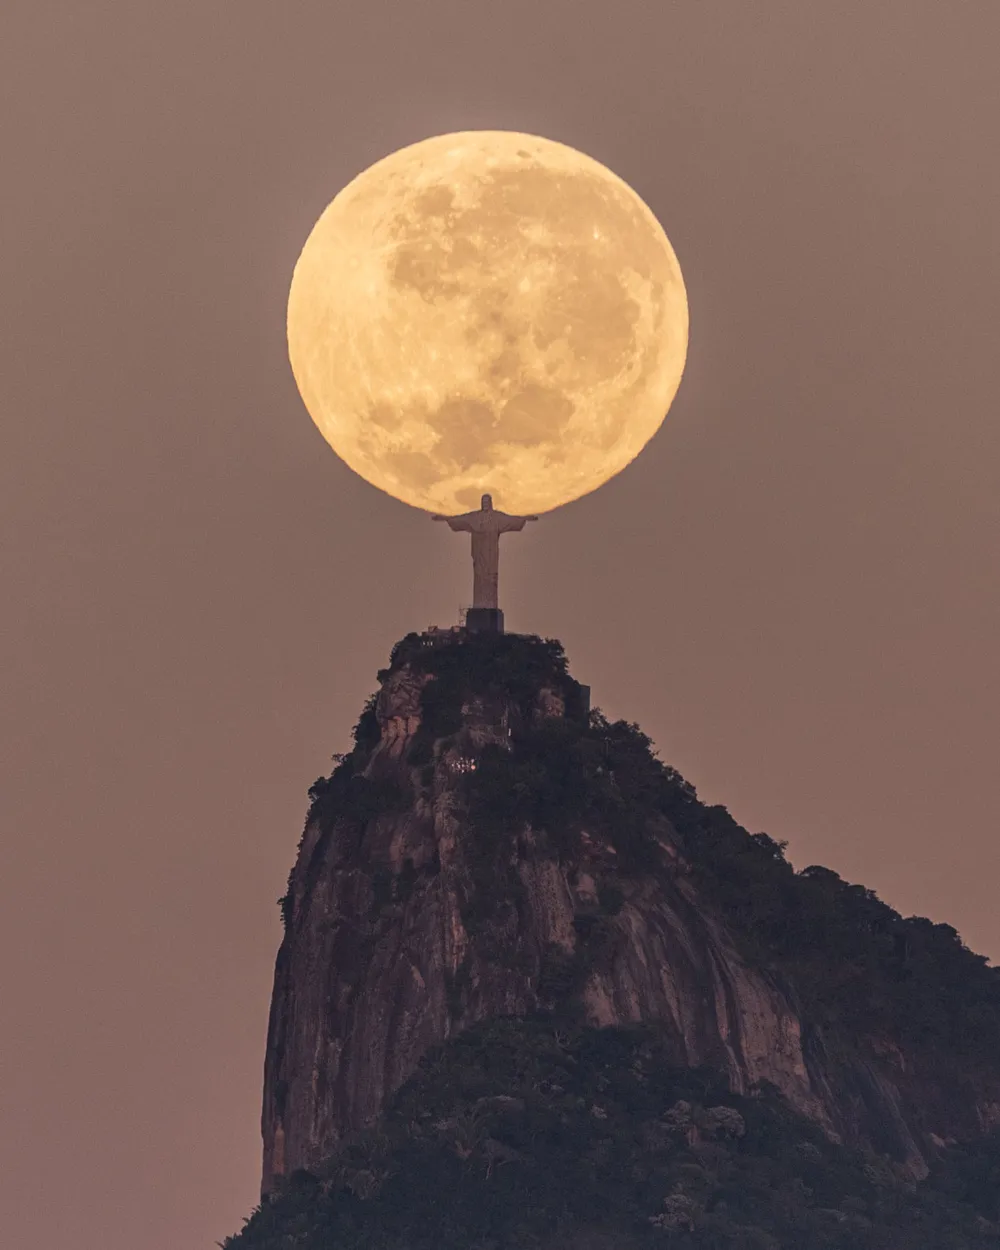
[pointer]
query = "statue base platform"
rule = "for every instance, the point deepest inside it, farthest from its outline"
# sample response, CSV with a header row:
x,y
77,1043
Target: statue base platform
x,y
484,621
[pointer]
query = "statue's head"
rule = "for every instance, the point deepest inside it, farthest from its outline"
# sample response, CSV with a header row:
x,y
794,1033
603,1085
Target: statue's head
x,y
487,503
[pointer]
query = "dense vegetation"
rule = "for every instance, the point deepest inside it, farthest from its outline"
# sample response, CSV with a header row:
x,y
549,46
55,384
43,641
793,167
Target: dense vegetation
x,y
547,1134
531,1135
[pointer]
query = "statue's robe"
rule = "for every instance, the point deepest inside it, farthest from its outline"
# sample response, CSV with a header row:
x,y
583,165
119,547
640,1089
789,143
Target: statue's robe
x,y
486,525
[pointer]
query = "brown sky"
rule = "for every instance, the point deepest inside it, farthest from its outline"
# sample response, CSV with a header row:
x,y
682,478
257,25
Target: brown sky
x,y
794,589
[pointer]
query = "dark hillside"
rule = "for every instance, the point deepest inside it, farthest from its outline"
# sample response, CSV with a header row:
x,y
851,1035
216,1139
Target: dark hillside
x,y
501,895
531,1134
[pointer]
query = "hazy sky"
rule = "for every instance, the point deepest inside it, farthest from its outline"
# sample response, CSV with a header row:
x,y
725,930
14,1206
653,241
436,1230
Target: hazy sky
x,y
794,589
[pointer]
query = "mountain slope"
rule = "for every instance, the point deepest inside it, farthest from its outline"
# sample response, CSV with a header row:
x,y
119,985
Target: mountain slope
x,y
491,849
531,1133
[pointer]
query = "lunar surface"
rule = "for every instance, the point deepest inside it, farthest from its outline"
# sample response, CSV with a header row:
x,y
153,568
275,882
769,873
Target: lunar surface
x,y
487,312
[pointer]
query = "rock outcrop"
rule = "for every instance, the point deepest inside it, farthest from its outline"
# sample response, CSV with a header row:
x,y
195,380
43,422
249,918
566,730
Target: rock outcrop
x,y
431,891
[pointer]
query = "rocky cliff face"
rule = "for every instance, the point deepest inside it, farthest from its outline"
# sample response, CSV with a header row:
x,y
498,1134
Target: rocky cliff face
x,y
490,849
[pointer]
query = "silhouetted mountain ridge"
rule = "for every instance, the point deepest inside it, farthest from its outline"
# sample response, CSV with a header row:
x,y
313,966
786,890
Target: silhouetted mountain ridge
x,y
498,887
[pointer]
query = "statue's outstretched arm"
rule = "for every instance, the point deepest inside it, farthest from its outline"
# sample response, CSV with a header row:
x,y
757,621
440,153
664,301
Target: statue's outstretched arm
x,y
462,522
508,523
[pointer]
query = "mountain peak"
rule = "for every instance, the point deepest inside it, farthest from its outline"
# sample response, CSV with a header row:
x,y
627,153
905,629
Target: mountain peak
x,y
492,847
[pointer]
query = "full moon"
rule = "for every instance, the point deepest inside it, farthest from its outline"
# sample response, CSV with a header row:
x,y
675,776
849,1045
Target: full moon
x,y
490,312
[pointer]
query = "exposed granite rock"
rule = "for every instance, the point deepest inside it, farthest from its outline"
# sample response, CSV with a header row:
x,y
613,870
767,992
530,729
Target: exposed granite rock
x,y
387,953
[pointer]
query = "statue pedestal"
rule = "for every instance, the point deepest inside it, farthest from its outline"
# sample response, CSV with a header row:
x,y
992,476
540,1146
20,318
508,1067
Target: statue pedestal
x,y
484,621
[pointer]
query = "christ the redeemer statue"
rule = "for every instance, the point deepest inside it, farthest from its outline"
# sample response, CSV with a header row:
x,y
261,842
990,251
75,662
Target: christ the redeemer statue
x,y
486,525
